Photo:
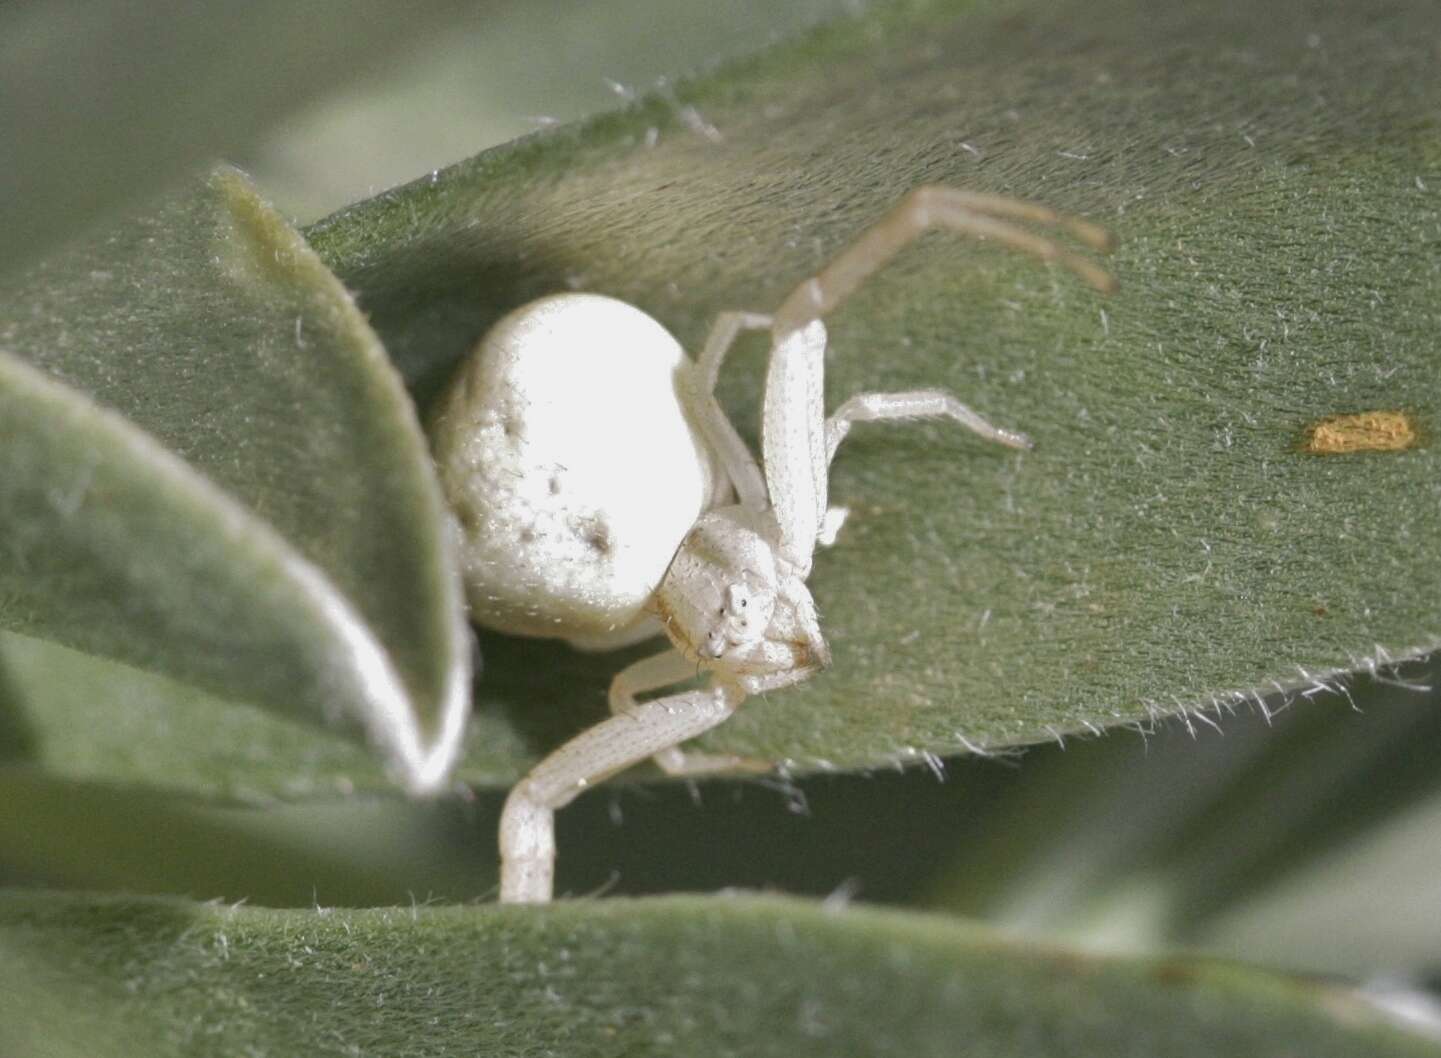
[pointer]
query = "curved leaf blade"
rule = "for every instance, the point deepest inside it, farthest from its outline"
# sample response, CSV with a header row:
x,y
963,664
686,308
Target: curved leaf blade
x,y
78,716
698,977
263,520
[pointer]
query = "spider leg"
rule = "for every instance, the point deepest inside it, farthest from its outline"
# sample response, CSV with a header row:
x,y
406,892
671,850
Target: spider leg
x,y
914,404
736,458
527,824
935,206
831,525
794,441
663,670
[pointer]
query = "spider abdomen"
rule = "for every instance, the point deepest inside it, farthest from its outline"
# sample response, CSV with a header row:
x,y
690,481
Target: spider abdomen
x,y
573,466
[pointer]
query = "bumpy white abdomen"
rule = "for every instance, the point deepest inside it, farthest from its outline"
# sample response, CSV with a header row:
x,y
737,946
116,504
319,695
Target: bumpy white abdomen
x,y
567,451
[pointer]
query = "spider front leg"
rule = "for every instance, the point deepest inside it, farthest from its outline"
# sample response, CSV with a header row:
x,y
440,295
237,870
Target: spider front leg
x,y
527,824
663,670
963,212
797,441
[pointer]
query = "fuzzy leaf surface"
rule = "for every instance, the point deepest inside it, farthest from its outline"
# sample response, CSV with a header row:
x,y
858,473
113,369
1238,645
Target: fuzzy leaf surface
x,y
1272,173
744,976
211,471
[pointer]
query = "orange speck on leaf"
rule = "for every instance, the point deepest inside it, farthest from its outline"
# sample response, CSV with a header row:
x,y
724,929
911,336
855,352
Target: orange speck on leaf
x,y
1367,431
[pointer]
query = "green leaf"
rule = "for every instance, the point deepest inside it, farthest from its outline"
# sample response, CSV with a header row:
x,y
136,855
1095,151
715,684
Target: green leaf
x,y
103,105
89,719
1168,546
744,976
210,471
356,851
1165,547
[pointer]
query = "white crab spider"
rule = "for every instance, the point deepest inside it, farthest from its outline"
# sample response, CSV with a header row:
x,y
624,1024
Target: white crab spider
x,y
729,589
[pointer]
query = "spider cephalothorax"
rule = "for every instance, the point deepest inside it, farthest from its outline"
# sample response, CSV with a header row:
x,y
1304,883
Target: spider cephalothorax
x,y
733,599
730,603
